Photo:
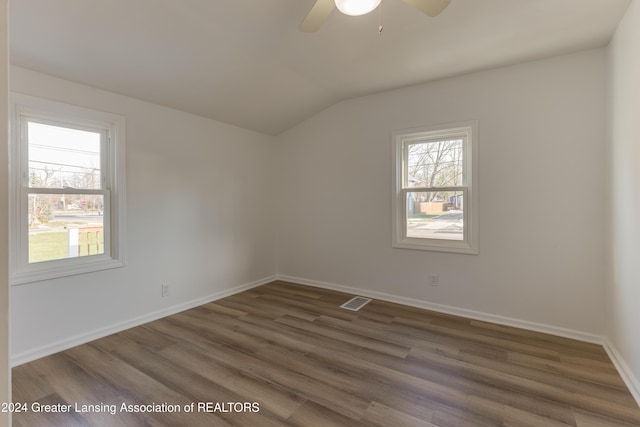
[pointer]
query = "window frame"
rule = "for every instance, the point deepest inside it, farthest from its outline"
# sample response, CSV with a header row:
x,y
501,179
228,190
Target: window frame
x,y
27,109
401,139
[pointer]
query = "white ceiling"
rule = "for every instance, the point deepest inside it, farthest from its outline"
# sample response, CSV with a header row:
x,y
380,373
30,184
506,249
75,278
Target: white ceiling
x,y
244,62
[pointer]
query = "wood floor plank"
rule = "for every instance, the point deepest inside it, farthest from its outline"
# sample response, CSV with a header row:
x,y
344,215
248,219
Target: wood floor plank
x,y
514,417
589,419
354,389
338,335
381,415
81,387
54,419
311,382
129,382
436,374
303,361
298,334
570,369
312,414
197,383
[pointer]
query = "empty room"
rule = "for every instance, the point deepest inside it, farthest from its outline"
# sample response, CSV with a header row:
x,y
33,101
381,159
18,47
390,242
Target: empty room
x,y
320,213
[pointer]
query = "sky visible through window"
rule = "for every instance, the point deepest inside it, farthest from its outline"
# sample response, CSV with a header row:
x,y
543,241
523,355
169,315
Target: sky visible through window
x,y
62,157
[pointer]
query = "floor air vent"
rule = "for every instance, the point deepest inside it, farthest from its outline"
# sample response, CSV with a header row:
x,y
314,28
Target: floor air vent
x,y
355,303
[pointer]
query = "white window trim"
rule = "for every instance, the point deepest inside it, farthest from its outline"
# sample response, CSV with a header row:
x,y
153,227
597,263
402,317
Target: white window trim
x,y
398,213
115,197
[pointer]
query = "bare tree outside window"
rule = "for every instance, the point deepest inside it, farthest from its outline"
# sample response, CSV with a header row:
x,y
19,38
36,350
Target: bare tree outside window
x,y
435,164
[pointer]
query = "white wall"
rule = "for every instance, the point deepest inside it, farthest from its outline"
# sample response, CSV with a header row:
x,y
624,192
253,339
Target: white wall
x,y
623,277
541,182
5,374
199,217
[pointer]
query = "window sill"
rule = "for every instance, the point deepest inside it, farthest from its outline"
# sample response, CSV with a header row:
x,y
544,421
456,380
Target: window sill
x,y
449,247
35,275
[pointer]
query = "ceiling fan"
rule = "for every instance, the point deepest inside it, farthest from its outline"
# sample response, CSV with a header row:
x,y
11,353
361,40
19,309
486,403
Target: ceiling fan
x,y
322,8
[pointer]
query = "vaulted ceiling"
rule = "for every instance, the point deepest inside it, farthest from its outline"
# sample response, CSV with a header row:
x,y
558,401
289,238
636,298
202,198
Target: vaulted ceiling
x,y
245,62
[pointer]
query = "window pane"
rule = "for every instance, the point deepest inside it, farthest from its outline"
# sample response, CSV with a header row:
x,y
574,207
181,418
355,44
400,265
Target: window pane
x,y
65,226
435,215
435,164
61,157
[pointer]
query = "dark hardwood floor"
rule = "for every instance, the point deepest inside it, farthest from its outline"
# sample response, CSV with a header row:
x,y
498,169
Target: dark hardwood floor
x,y
285,354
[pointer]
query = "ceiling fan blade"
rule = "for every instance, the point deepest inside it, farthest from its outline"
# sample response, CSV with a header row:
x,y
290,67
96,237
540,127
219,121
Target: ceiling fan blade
x,y
430,7
318,14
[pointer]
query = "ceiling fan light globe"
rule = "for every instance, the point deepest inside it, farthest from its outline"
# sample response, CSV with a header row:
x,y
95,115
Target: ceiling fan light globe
x,y
356,7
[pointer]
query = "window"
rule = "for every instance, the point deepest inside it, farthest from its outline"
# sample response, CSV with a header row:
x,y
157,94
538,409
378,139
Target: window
x,y
67,181
434,192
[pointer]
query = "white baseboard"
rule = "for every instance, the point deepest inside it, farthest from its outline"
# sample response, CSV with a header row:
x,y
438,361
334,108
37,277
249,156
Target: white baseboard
x,y
463,312
632,382
28,356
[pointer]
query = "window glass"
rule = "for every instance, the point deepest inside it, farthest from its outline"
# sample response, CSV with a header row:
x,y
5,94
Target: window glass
x,y
435,215
435,164
65,226
63,157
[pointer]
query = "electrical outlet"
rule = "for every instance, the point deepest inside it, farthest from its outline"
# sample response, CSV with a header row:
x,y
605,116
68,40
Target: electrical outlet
x,y
165,290
434,279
